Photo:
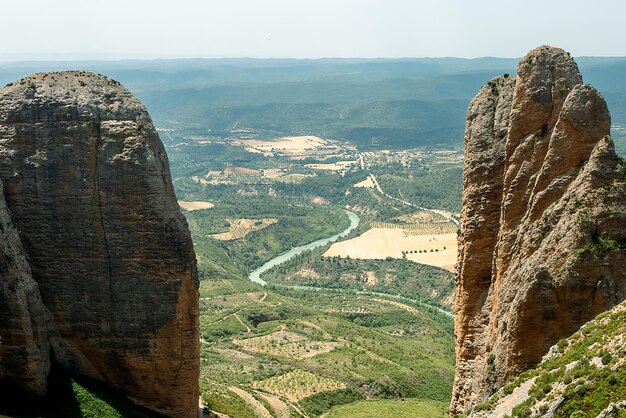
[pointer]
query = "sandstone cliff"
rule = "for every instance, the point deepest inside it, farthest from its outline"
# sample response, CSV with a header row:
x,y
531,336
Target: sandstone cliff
x,y
110,286
542,238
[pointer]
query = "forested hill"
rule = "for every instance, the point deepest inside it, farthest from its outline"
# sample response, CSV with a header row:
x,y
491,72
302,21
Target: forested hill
x,y
376,103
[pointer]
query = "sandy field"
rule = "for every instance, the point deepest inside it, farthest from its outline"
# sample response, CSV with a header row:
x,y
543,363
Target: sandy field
x,y
287,344
241,170
273,173
367,183
239,228
288,145
191,206
339,165
298,384
379,243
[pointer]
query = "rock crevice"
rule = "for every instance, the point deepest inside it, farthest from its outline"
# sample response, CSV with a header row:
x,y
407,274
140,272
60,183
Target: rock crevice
x,y
542,237
87,180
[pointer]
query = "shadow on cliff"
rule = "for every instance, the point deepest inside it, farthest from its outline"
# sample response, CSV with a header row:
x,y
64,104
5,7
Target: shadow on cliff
x,y
69,397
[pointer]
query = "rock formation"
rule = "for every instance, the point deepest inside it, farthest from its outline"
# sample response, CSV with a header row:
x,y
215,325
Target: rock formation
x,y
542,239
106,280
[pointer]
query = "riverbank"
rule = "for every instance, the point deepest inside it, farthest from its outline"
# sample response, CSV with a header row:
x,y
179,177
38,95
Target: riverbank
x,y
255,276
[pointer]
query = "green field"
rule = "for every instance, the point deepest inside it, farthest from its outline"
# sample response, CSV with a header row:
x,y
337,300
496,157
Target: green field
x,y
71,398
373,349
406,408
420,282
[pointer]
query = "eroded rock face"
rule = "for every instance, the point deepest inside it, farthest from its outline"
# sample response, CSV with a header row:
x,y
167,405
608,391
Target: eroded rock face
x,y
24,320
542,239
87,180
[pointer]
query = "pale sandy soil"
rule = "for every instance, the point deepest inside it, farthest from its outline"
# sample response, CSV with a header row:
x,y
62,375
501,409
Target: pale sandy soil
x,y
332,166
240,170
319,200
273,173
519,395
286,343
379,243
404,306
372,280
191,206
258,407
239,228
367,183
280,407
291,145
308,273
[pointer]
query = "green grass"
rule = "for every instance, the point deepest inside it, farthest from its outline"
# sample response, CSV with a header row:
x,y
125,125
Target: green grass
x,y
412,280
319,403
218,398
589,388
298,223
406,408
70,398
383,352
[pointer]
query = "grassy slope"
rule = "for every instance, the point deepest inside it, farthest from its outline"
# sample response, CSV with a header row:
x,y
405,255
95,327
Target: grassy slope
x,y
69,398
382,351
396,276
582,377
408,408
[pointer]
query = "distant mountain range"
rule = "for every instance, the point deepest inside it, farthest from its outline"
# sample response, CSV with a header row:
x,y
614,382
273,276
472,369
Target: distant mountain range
x,y
388,103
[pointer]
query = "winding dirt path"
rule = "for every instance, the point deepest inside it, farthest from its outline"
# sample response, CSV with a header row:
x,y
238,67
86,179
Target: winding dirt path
x,y
280,407
257,406
506,404
236,315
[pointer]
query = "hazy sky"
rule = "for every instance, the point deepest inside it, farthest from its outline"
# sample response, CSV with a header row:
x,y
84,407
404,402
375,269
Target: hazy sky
x,y
74,29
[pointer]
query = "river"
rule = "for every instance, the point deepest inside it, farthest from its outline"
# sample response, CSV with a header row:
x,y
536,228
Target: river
x,y
255,276
354,222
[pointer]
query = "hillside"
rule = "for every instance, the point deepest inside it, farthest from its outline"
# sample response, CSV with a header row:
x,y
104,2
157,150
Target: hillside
x,y
581,376
286,352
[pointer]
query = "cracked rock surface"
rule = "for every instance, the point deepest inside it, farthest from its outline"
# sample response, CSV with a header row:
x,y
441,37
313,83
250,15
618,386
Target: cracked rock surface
x,y
542,239
87,181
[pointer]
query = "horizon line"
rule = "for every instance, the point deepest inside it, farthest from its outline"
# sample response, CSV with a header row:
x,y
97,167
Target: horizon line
x,y
8,60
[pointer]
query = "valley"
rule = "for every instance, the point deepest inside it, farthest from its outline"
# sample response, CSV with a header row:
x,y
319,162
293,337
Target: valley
x,y
331,329
323,212
315,351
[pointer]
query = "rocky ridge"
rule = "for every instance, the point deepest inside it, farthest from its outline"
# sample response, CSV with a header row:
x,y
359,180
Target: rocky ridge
x,y
542,238
100,264
585,372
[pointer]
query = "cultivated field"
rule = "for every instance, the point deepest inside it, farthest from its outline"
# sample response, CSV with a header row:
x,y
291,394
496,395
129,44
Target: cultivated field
x,y
434,244
338,166
405,408
240,170
239,228
298,384
295,147
367,183
286,344
191,206
423,216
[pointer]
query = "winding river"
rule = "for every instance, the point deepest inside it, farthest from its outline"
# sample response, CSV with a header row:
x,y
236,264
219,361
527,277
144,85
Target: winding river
x,y
354,222
255,276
